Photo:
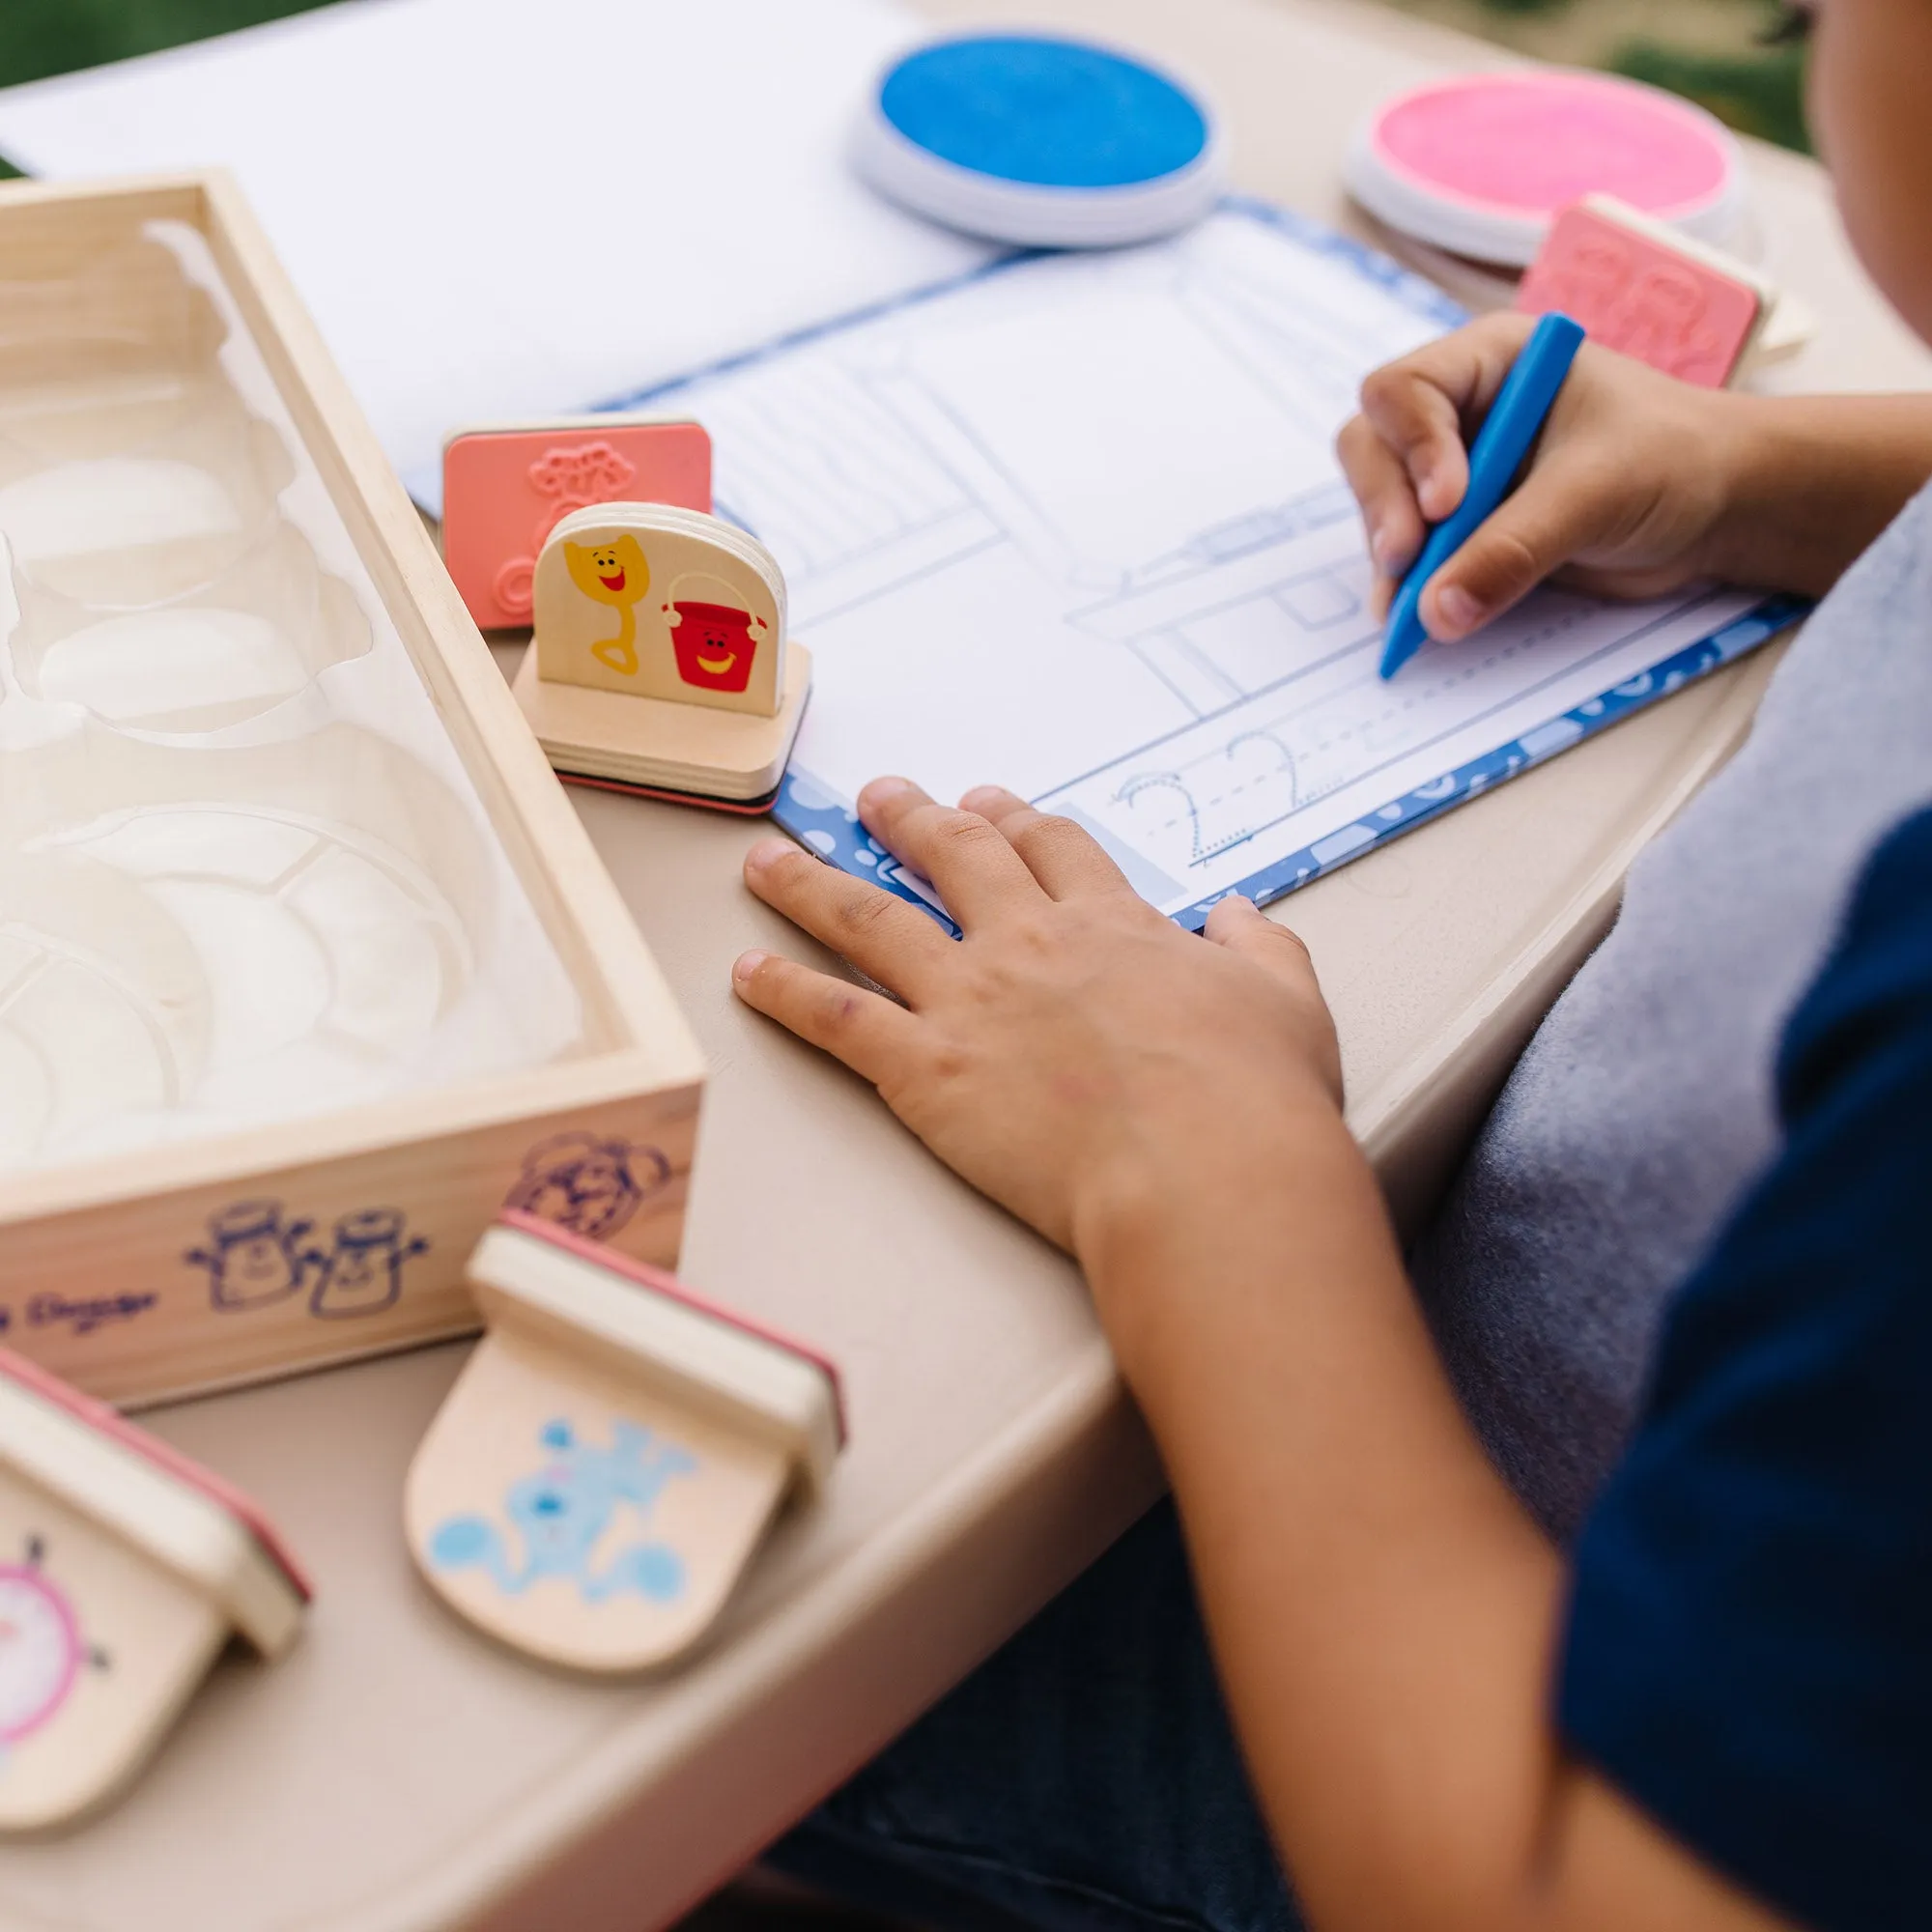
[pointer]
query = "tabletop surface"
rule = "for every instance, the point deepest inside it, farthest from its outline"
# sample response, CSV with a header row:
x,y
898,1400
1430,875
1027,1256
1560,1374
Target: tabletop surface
x,y
397,1771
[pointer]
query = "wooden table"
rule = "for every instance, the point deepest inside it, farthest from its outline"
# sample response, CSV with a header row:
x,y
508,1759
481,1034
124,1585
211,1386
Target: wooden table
x,y
398,1771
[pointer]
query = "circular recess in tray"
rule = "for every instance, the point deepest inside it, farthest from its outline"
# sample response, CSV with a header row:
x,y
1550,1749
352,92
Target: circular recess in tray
x,y
69,400
216,657
139,526
199,939
103,1007
327,954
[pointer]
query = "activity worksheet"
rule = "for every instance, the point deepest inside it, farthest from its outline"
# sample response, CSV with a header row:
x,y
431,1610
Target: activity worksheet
x,y
1074,524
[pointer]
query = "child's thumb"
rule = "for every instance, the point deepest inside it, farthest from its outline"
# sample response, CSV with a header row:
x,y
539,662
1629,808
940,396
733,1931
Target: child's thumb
x,y
1531,536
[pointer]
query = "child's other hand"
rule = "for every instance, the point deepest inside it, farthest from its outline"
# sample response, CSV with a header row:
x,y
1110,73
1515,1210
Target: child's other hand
x,y
1624,495
1076,1053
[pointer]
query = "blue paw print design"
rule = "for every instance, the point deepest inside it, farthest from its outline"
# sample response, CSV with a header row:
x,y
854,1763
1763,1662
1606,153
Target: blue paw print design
x,y
562,1511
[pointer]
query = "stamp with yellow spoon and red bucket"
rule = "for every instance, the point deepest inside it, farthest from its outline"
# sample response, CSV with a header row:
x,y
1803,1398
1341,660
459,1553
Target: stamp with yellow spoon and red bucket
x,y
660,662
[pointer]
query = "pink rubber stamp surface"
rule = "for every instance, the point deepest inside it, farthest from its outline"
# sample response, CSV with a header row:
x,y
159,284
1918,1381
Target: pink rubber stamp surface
x,y
641,1274
125,1567
1635,294
1480,164
164,1456
506,490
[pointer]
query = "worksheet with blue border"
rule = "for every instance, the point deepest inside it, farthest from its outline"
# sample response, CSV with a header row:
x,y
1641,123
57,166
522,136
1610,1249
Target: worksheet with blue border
x,y
1073,524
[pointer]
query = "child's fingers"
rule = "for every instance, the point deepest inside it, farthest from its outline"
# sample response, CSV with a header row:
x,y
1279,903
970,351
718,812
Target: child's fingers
x,y
1236,925
1391,518
1067,860
890,942
862,1028
1558,513
1240,925
1422,426
975,870
1426,405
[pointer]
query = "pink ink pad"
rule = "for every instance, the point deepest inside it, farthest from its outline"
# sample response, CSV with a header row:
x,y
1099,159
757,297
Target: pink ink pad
x,y
1480,164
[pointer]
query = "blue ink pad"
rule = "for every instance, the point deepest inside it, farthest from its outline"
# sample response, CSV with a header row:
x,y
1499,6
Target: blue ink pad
x,y
1040,143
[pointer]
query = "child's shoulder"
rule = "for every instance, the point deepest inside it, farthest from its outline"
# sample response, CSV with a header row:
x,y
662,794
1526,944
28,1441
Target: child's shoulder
x,y
1862,1036
1747,1655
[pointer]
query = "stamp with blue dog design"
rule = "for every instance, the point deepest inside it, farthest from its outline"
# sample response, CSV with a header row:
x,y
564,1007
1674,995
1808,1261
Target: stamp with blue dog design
x,y
611,1454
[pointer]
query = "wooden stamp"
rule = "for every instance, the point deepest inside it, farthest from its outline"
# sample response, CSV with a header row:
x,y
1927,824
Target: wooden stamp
x,y
124,1568
1642,288
660,662
611,1455
506,489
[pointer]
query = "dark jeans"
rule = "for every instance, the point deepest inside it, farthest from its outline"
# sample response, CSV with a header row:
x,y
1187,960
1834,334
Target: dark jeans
x,y
1083,1780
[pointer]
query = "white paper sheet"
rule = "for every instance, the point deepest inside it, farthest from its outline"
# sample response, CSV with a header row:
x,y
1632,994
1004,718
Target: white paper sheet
x,y
499,208
1075,526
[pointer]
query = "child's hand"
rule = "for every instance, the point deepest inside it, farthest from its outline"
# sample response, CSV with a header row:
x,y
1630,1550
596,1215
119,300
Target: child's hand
x,y
1076,1051
1625,492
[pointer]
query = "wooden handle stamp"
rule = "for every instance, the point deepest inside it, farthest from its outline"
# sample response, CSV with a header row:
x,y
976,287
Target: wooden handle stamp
x,y
125,1568
1641,287
660,662
600,1475
505,489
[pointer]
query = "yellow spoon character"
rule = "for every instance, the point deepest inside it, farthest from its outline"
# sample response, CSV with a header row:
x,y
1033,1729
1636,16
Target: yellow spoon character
x,y
616,574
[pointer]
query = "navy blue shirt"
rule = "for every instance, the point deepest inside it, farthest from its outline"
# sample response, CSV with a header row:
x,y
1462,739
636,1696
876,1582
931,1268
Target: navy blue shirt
x,y
1749,1646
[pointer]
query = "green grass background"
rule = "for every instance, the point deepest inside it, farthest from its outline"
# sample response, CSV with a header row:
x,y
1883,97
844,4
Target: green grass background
x,y
44,37
39,37
1754,88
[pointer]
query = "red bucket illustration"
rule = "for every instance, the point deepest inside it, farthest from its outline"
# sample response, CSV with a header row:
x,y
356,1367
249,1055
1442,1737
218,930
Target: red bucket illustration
x,y
715,645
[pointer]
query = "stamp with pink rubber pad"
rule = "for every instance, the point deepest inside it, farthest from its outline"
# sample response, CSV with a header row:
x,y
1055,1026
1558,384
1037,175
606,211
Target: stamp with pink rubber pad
x,y
125,1569
1638,287
506,489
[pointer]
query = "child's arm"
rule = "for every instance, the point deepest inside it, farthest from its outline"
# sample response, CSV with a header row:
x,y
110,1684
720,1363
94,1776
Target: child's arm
x,y
1640,483
1383,1613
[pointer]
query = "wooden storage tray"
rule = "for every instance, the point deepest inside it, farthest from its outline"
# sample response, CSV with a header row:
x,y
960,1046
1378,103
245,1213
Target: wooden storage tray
x,y
307,966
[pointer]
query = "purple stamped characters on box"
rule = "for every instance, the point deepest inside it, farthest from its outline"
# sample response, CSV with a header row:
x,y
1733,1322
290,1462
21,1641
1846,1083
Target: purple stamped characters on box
x,y
362,1274
590,1183
257,1255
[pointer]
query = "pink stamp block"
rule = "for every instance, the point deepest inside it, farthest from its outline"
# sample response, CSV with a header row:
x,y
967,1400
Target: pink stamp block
x,y
506,490
1634,293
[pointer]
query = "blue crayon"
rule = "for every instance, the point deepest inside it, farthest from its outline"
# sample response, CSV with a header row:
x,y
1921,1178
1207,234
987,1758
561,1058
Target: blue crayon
x,y
1515,420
